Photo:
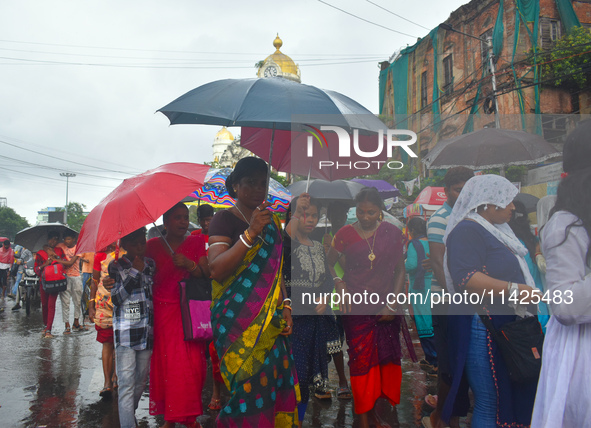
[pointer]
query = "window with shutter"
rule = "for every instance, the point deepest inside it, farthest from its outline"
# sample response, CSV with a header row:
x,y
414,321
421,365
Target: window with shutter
x,y
448,75
550,31
424,96
554,127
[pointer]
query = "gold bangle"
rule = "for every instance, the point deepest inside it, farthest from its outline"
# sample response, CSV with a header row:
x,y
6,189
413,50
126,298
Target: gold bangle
x,y
247,235
287,307
193,267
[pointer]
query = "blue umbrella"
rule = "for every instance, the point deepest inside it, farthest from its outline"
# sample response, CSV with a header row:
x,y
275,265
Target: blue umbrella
x,y
273,103
268,103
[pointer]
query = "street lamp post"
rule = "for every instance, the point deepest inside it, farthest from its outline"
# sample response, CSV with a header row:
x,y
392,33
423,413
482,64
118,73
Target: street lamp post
x,y
67,175
489,49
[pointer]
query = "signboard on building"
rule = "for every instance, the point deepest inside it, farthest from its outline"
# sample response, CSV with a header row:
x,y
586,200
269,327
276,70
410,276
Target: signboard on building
x,y
544,174
56,217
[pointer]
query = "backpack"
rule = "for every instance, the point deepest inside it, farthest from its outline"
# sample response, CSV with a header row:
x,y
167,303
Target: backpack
x,y
54,279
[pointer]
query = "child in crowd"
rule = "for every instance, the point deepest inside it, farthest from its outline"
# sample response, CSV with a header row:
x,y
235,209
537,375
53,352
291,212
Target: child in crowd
x,y
74,290
133,320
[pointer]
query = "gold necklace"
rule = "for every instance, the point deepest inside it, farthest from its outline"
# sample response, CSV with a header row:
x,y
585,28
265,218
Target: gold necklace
x,y
243,216
371,256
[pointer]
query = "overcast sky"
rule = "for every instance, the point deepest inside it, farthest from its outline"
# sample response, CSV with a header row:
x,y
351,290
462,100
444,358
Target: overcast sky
x,y
80,81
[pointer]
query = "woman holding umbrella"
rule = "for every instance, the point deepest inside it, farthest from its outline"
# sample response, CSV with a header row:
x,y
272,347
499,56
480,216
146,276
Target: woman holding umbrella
x,y
250,317
177,370
370,252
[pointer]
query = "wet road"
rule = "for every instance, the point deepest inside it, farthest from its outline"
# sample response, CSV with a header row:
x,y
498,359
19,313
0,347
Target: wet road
x,y
55,383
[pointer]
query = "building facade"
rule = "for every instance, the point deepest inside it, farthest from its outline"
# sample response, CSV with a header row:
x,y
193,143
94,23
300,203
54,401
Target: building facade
x,y
443,85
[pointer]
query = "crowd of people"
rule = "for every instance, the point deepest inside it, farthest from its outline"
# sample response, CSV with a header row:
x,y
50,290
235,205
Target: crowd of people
x,y
272,345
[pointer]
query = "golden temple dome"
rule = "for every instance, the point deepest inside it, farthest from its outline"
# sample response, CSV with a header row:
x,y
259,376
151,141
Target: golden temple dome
x,y
287,67
224,134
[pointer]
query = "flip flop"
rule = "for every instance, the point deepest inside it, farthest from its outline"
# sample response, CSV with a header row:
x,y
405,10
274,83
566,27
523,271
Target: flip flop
x,y
67,331
344,393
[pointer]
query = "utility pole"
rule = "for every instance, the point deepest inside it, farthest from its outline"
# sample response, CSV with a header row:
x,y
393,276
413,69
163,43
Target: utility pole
x,y
67,175
494,79
491,63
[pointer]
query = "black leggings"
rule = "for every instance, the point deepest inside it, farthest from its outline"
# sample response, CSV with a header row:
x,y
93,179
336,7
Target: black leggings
x,y
4,277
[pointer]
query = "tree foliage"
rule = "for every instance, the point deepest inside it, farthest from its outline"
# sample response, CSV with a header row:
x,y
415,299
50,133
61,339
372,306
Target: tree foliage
x,y
11,223
568,63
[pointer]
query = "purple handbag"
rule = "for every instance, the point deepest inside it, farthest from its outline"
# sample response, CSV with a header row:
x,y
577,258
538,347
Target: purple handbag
x,y
196,309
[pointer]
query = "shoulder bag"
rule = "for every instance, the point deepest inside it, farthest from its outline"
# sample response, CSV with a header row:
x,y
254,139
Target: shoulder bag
x,y
520,343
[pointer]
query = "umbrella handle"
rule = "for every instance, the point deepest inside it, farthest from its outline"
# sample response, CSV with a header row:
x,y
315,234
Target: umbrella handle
x,y
270,159
163,238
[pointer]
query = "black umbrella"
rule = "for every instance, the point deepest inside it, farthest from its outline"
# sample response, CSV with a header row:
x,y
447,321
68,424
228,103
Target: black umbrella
x,y
35,237
321,189
490,148
529,201
282,106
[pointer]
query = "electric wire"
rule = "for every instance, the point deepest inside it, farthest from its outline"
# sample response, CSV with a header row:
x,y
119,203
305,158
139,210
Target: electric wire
x,y
399,16
366,20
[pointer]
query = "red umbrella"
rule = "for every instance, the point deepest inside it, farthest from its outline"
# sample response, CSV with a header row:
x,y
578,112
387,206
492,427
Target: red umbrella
x,y
431,196
138,201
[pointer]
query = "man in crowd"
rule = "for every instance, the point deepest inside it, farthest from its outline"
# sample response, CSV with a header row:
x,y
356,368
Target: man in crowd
x,y
454,181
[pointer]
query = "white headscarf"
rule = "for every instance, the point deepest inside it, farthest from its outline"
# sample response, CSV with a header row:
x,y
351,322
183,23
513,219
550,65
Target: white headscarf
x,y
483,190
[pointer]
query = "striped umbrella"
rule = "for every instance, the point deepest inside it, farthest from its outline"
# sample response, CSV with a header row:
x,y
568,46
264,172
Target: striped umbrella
x,y
214,191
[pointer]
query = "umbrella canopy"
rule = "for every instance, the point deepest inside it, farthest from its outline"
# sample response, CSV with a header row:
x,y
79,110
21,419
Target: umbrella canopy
x,y
267,103
490,148
138,201
431,196
385,189
35,237
214,191
280,105
530,201
322,189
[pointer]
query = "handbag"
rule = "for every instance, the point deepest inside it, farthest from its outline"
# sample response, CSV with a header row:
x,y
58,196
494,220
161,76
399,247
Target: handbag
x,y
196,308
520,343
54,279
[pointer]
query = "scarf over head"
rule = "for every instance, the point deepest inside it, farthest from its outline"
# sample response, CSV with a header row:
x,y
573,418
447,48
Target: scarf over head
x,y
483,190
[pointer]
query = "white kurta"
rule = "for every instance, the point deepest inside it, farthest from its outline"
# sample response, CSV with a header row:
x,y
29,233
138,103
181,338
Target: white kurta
x,y
563,398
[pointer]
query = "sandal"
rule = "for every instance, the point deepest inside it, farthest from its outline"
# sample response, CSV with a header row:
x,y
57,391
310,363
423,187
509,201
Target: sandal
x,y
67,331
215,404
48,335
344,392
322,395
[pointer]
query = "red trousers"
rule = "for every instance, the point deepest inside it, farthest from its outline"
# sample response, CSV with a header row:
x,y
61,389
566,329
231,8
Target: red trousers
x,y
48,308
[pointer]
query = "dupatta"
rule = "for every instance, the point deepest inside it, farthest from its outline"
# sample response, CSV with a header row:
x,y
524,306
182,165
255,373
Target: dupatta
x,y
255,360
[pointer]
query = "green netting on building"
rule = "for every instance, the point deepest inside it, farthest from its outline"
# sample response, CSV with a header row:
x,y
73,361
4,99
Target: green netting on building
x,y
568,17
526,13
